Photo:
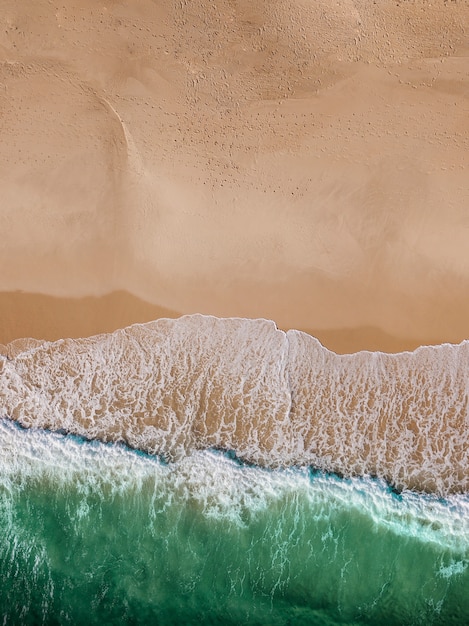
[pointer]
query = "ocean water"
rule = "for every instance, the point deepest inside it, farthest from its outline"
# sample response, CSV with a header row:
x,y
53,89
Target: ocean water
x,y
96,533
205,471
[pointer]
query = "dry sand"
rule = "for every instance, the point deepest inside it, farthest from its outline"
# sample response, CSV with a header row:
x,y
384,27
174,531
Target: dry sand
x,y
305,161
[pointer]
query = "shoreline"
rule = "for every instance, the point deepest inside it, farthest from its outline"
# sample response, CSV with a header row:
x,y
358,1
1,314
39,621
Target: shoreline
x,y
28,319
277,398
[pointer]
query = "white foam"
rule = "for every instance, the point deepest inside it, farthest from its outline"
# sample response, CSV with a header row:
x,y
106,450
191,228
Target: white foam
x,y
403,417
278,399
222,489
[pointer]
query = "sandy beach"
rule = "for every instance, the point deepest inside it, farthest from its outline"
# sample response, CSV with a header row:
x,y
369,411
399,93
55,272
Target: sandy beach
x,y
300,161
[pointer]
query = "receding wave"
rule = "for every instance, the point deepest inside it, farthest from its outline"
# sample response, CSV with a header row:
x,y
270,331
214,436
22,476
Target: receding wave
x,y
171,387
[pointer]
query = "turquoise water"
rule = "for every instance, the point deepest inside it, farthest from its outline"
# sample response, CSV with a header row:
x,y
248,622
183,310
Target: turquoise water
x,y
96,533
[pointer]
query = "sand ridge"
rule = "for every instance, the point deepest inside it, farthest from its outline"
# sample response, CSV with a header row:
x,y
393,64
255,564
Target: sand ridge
x,y
305,162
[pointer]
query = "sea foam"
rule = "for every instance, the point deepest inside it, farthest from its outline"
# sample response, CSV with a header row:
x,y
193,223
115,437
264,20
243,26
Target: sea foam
x,y
277,399
96,533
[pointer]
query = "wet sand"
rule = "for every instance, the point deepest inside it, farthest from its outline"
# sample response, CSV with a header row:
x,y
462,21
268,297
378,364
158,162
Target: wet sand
x,y
49,318
303,162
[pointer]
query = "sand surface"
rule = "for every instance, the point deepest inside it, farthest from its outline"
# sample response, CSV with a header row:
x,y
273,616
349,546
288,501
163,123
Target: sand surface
x,y
304,161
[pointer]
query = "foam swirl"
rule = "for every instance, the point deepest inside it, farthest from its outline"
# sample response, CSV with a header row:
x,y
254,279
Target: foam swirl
x,y
174,386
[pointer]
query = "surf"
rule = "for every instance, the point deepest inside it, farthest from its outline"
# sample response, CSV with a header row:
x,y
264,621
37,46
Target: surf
x,y
93,533
278,399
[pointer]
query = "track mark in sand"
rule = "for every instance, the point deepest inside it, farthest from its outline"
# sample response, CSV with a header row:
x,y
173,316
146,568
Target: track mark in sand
x,y
134,158
134,162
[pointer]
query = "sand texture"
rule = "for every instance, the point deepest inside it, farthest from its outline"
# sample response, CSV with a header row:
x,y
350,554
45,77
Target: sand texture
x,y
302,161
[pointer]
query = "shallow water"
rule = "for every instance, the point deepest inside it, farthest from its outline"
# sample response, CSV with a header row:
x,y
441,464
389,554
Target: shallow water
x,y
278,399
97,533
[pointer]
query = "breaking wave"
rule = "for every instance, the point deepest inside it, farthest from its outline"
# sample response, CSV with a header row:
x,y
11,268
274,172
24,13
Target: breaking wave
x,y
98,534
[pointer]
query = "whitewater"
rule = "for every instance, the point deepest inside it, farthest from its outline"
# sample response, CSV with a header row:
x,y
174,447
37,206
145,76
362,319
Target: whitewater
x,y
221,471
277,399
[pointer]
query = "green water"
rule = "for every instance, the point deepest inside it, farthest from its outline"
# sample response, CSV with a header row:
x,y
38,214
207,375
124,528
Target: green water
x,y
96,534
